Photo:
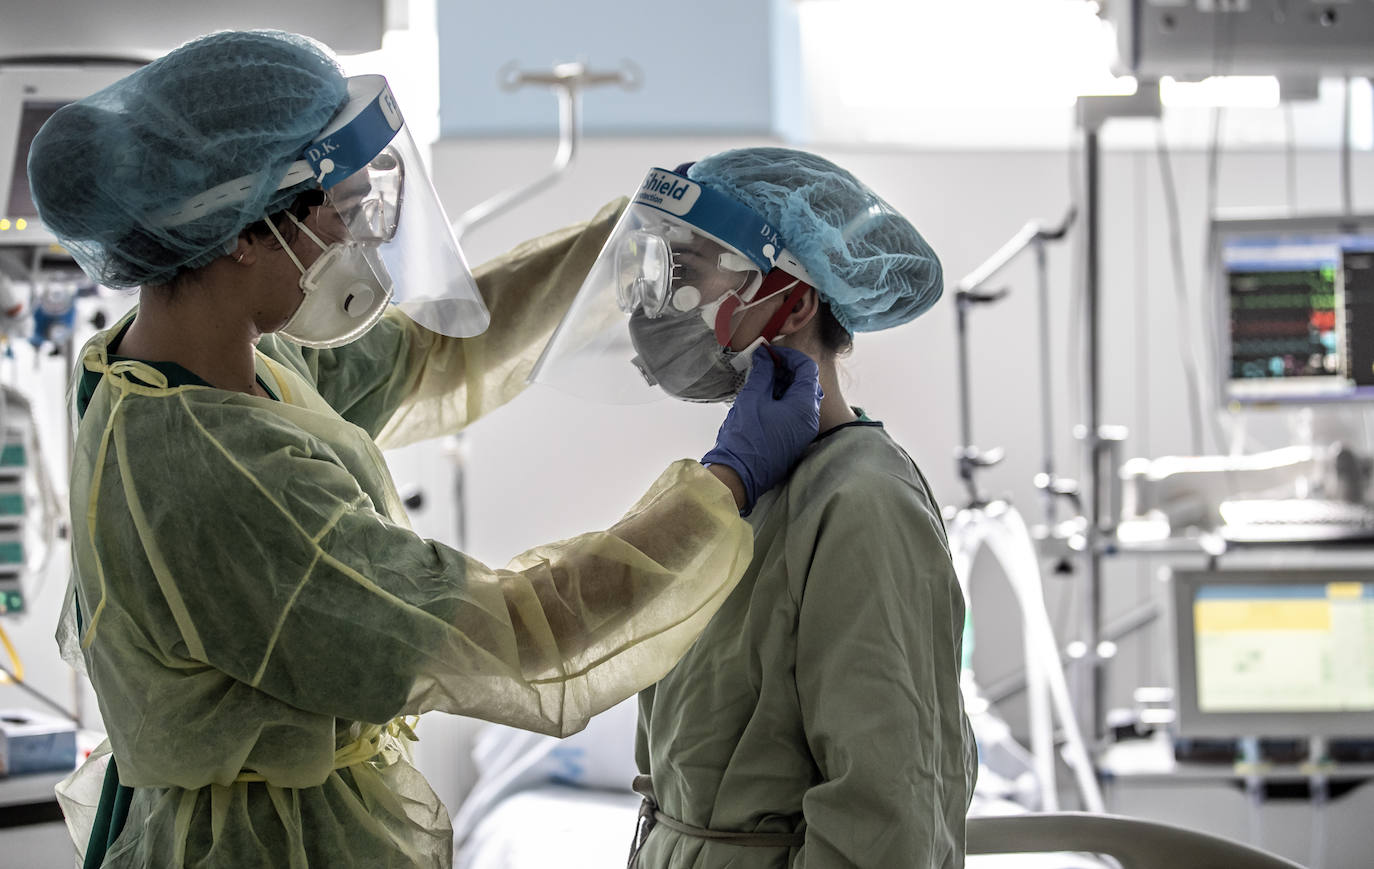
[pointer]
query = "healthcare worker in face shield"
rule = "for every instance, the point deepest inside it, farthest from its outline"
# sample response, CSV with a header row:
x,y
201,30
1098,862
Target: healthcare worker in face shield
x,y
818,720
254,612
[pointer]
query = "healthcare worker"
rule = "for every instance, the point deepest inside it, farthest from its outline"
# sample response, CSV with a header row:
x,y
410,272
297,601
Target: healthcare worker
x,y
255,613
818,720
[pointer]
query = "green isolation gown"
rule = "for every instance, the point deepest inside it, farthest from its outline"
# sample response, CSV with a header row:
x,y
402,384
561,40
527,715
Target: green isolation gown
x,y
823,698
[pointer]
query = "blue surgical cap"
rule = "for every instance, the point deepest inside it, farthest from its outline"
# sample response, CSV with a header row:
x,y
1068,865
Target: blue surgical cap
x,y
107,170
869,263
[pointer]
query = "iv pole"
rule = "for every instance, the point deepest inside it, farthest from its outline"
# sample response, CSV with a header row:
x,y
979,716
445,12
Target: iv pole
x,y
567,80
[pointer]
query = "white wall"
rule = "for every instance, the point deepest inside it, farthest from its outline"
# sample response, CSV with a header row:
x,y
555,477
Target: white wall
x,y
548,466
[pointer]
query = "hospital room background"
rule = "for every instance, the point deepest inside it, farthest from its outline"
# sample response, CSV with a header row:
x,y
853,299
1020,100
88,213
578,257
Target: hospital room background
x,y
992,125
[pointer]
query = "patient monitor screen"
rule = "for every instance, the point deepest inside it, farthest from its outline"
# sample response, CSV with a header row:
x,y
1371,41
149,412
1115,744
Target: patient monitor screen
x,y
1301,312
31,117
1284,648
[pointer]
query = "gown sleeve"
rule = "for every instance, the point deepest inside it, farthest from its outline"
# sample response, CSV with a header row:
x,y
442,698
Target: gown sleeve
x,y
283,575
403,383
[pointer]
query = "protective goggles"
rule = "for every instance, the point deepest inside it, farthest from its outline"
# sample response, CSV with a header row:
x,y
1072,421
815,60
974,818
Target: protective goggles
x,y
680,253
385,235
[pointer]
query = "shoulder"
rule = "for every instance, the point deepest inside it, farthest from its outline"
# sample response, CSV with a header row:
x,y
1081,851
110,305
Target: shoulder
x,y
858,474
194,429
857,503
861,515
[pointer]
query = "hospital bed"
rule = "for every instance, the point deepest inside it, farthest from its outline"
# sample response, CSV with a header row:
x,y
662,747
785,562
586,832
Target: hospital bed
x,y
542,802
578,827
590,828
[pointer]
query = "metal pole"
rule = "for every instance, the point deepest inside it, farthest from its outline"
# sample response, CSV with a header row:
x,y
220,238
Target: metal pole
x,y
965,414
1046,391
1092,509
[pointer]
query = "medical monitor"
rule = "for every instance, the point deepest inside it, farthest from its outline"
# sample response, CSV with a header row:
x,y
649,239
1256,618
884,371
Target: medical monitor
x,y
29,94
1274,652
1295,318
1191,39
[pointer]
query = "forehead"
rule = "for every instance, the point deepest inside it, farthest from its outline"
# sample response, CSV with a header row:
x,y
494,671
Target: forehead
x,y
349,191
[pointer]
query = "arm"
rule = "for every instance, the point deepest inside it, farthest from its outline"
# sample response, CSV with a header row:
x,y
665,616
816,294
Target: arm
x,y
878,680
732,482
300,589
404,383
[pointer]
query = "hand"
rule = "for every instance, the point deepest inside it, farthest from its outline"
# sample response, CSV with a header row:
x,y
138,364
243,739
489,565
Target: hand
x,y
763,437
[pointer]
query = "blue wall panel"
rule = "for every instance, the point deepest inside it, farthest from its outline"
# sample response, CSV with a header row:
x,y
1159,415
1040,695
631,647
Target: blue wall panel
x,y
708,65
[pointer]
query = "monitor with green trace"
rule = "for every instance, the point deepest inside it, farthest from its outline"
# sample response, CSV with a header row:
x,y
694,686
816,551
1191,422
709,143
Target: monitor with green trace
x,y
1295,317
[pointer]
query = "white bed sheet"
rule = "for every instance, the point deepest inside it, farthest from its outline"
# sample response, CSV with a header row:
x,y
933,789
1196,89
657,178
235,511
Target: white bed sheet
x,y
574,828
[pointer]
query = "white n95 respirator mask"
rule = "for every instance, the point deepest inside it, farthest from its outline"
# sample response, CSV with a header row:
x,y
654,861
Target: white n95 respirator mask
x,y
346,291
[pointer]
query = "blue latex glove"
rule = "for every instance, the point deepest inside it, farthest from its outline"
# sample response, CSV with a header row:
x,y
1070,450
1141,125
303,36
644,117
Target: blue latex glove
x,y
763,437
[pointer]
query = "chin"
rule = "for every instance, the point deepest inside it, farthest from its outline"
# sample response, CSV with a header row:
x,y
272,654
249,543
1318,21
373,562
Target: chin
x,y
268,325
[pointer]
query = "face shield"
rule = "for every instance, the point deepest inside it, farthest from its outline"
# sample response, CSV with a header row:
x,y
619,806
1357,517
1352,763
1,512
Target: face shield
x,y
664,300
382,233
390,225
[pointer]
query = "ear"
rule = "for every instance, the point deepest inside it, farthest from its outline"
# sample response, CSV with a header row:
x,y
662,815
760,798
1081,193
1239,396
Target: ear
x,y
242,250
803,312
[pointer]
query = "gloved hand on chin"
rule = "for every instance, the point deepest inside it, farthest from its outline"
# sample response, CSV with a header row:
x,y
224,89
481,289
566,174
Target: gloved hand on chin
x,y
763,437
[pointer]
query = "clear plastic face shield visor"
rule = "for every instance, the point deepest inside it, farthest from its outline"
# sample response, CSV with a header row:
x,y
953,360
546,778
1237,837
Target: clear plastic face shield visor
x,y
383,236
663,303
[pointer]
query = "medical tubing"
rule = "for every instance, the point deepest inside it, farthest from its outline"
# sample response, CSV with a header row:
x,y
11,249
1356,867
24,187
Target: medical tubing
x,y
16,677
18,674
971,528
1039,710
1009,539
1029,589
1290,149
1347,197
1189,359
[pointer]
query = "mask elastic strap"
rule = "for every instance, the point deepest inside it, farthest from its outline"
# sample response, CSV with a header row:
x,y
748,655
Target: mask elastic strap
x,y
305,229
284,246
773,283
770,331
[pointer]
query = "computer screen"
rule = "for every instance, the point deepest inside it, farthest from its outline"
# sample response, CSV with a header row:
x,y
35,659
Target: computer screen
x,y
1297,309
32,115
1275,652
28,97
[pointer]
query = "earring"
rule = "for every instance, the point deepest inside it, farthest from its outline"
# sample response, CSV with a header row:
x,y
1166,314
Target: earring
x,y
239,258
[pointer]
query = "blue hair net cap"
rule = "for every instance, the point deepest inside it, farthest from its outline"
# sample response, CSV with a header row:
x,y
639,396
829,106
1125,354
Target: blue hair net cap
x,y
869,263
230,105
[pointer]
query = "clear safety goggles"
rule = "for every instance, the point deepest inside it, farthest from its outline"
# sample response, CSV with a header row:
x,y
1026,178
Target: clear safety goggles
x,y
369,201
682,266
669,269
